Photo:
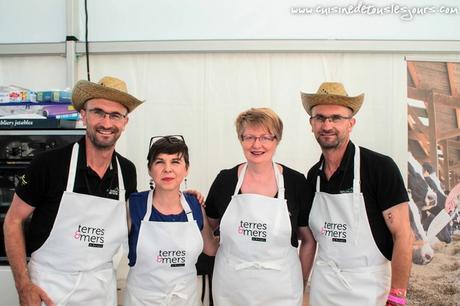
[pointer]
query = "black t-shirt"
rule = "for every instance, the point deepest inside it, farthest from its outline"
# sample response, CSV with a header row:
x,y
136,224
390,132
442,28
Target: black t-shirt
x,y
45,181
381,184
296,194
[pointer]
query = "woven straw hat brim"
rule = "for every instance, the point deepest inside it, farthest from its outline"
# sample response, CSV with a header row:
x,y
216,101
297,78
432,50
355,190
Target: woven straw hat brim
x,y
85,90
311,100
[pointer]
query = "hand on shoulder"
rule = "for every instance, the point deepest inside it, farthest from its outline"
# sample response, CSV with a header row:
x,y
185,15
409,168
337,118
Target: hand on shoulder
x,y
198,195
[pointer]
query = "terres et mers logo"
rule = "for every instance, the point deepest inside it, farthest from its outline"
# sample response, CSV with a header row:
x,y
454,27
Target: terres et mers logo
x,y
93,235
174,258
256,230
336,231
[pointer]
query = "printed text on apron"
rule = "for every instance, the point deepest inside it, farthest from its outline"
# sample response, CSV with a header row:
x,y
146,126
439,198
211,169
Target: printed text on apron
x,y
165,273
74,265
256,263
349,267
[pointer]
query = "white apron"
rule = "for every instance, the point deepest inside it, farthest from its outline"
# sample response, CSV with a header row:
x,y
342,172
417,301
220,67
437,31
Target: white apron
x,y
349,267
74,265
256,263
165,273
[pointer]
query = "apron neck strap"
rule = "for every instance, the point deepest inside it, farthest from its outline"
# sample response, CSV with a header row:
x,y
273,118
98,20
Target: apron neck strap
x,y
148,211
72,168
278,177
183,201
279,181
356,194
73,171
356,176
186,207
318,189
121,184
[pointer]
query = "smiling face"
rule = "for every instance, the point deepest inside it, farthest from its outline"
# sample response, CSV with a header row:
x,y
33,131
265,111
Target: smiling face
x,y
168,171
332,135
259,148
103,132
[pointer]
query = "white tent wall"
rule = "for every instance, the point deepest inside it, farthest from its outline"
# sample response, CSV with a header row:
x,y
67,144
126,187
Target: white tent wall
x,y
33,72
199,96
136,20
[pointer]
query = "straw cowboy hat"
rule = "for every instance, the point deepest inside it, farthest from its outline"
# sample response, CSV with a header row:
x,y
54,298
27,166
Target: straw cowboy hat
x,y
334,94
109,88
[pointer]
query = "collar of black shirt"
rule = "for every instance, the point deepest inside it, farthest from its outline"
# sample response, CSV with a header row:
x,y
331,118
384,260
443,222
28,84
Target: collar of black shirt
x,y
347,158
81,165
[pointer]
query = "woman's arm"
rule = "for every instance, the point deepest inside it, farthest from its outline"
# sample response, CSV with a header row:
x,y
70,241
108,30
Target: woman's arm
x,y
307,250
128,216
210,242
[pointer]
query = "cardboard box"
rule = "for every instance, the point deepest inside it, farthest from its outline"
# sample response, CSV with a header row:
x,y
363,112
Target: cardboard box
x,y
13,94
4,97
62,96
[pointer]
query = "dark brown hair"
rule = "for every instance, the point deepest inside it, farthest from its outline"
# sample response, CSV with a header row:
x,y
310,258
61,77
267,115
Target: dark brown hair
x,y
164,145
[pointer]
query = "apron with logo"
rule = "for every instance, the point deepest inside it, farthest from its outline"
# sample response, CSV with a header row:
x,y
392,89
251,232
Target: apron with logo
x,y
349,267
256,263
74,265
165,273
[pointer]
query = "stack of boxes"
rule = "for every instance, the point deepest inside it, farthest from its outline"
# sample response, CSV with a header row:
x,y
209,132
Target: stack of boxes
x,y
13,94
50,104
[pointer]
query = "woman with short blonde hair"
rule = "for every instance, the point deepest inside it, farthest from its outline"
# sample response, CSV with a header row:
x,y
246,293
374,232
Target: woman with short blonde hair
x,y
261,209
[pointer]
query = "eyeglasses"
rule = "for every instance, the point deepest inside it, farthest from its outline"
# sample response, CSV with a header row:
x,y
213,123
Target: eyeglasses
x,y
169,138
263,139
100,114
332,118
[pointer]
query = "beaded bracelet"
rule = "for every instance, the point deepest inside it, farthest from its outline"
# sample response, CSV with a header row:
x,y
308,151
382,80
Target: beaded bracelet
x,y
398,292
396,299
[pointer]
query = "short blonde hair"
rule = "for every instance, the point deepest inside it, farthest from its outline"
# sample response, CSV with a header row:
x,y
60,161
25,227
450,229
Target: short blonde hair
x,y
263,117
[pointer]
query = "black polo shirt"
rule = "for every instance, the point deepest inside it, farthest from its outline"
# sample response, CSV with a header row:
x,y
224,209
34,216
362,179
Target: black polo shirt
x,y
381,184
295,189
45,181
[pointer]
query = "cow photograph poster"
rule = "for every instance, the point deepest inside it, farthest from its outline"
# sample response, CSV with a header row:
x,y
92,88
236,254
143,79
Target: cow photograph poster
x,y
433,114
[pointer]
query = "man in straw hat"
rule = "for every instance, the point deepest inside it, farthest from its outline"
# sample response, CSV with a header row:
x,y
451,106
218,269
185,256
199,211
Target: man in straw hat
x,y
77,196
359,212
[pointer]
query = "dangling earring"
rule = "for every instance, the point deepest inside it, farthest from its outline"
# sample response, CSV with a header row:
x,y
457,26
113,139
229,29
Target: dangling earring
x,y
185,184
152,184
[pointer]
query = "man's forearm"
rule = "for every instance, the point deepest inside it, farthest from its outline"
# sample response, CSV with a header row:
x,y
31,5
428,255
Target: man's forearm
x,y
15,250
307,251
401,261
307,255
306,260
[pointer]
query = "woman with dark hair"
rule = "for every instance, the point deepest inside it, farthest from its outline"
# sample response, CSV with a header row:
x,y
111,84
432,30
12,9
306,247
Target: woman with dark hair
x,y
168,231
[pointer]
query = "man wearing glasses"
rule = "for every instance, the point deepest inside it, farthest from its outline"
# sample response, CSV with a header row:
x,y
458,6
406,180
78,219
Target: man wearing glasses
x,y
77,196
359,212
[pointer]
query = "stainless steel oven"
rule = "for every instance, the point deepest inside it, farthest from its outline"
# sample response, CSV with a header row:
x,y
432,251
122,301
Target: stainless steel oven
x,y
17,149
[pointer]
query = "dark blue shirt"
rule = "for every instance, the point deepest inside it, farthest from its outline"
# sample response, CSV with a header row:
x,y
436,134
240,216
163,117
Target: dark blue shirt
x,y
138,208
